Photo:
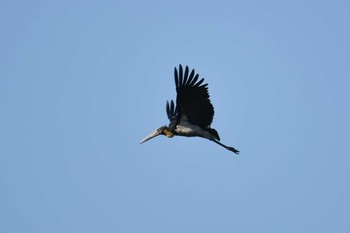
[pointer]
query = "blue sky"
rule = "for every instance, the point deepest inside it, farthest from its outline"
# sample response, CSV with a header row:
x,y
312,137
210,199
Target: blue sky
x,y
82,82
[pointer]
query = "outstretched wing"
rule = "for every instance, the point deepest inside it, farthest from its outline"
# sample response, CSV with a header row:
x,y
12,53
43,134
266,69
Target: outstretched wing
x,y
193,98
173,115
171,111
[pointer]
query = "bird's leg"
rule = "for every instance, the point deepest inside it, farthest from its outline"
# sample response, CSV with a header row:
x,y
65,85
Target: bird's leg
x,y
227,147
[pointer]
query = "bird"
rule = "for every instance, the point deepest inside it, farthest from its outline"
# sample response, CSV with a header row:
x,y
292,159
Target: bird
x,y
193,113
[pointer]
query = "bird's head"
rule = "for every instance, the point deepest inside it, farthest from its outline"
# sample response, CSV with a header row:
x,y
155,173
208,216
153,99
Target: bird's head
x,y
163,130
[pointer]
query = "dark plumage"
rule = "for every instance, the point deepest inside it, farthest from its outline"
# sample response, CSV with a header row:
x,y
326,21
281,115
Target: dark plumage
x,y
193,98
193,113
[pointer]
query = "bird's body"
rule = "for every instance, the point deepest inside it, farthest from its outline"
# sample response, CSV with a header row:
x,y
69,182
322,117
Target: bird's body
x,y
186,128
193,113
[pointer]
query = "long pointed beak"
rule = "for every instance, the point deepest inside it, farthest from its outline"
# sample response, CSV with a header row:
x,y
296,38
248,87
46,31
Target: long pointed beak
x,y
152,135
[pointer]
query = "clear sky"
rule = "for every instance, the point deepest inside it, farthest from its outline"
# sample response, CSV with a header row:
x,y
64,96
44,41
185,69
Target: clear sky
x,y
82,82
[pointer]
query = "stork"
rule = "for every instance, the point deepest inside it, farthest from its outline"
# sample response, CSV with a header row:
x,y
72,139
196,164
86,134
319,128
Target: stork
x,y
193,113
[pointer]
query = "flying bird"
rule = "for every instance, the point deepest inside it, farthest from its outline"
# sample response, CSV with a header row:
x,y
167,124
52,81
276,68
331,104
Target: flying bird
x,y
193,113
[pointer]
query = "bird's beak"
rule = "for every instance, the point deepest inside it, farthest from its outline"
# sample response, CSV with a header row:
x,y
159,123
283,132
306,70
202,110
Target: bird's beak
x,y
152,135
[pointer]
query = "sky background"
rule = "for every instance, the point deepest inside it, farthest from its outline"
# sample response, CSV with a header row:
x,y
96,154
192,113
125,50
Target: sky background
x,y
82,82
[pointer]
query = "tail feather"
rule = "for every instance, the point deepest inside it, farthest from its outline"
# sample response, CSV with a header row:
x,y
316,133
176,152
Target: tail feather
x,y
214,133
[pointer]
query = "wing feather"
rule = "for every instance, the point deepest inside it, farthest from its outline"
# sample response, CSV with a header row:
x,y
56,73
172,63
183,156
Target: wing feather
x,y
176,77
186,75
190,78
180,74
194,80
193,98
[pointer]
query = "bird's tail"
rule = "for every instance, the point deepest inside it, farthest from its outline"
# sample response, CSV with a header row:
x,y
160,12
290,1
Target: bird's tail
x,y
214,133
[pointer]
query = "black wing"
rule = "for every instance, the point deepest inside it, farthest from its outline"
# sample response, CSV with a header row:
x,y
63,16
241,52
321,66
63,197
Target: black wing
x,y
173,115
193,98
